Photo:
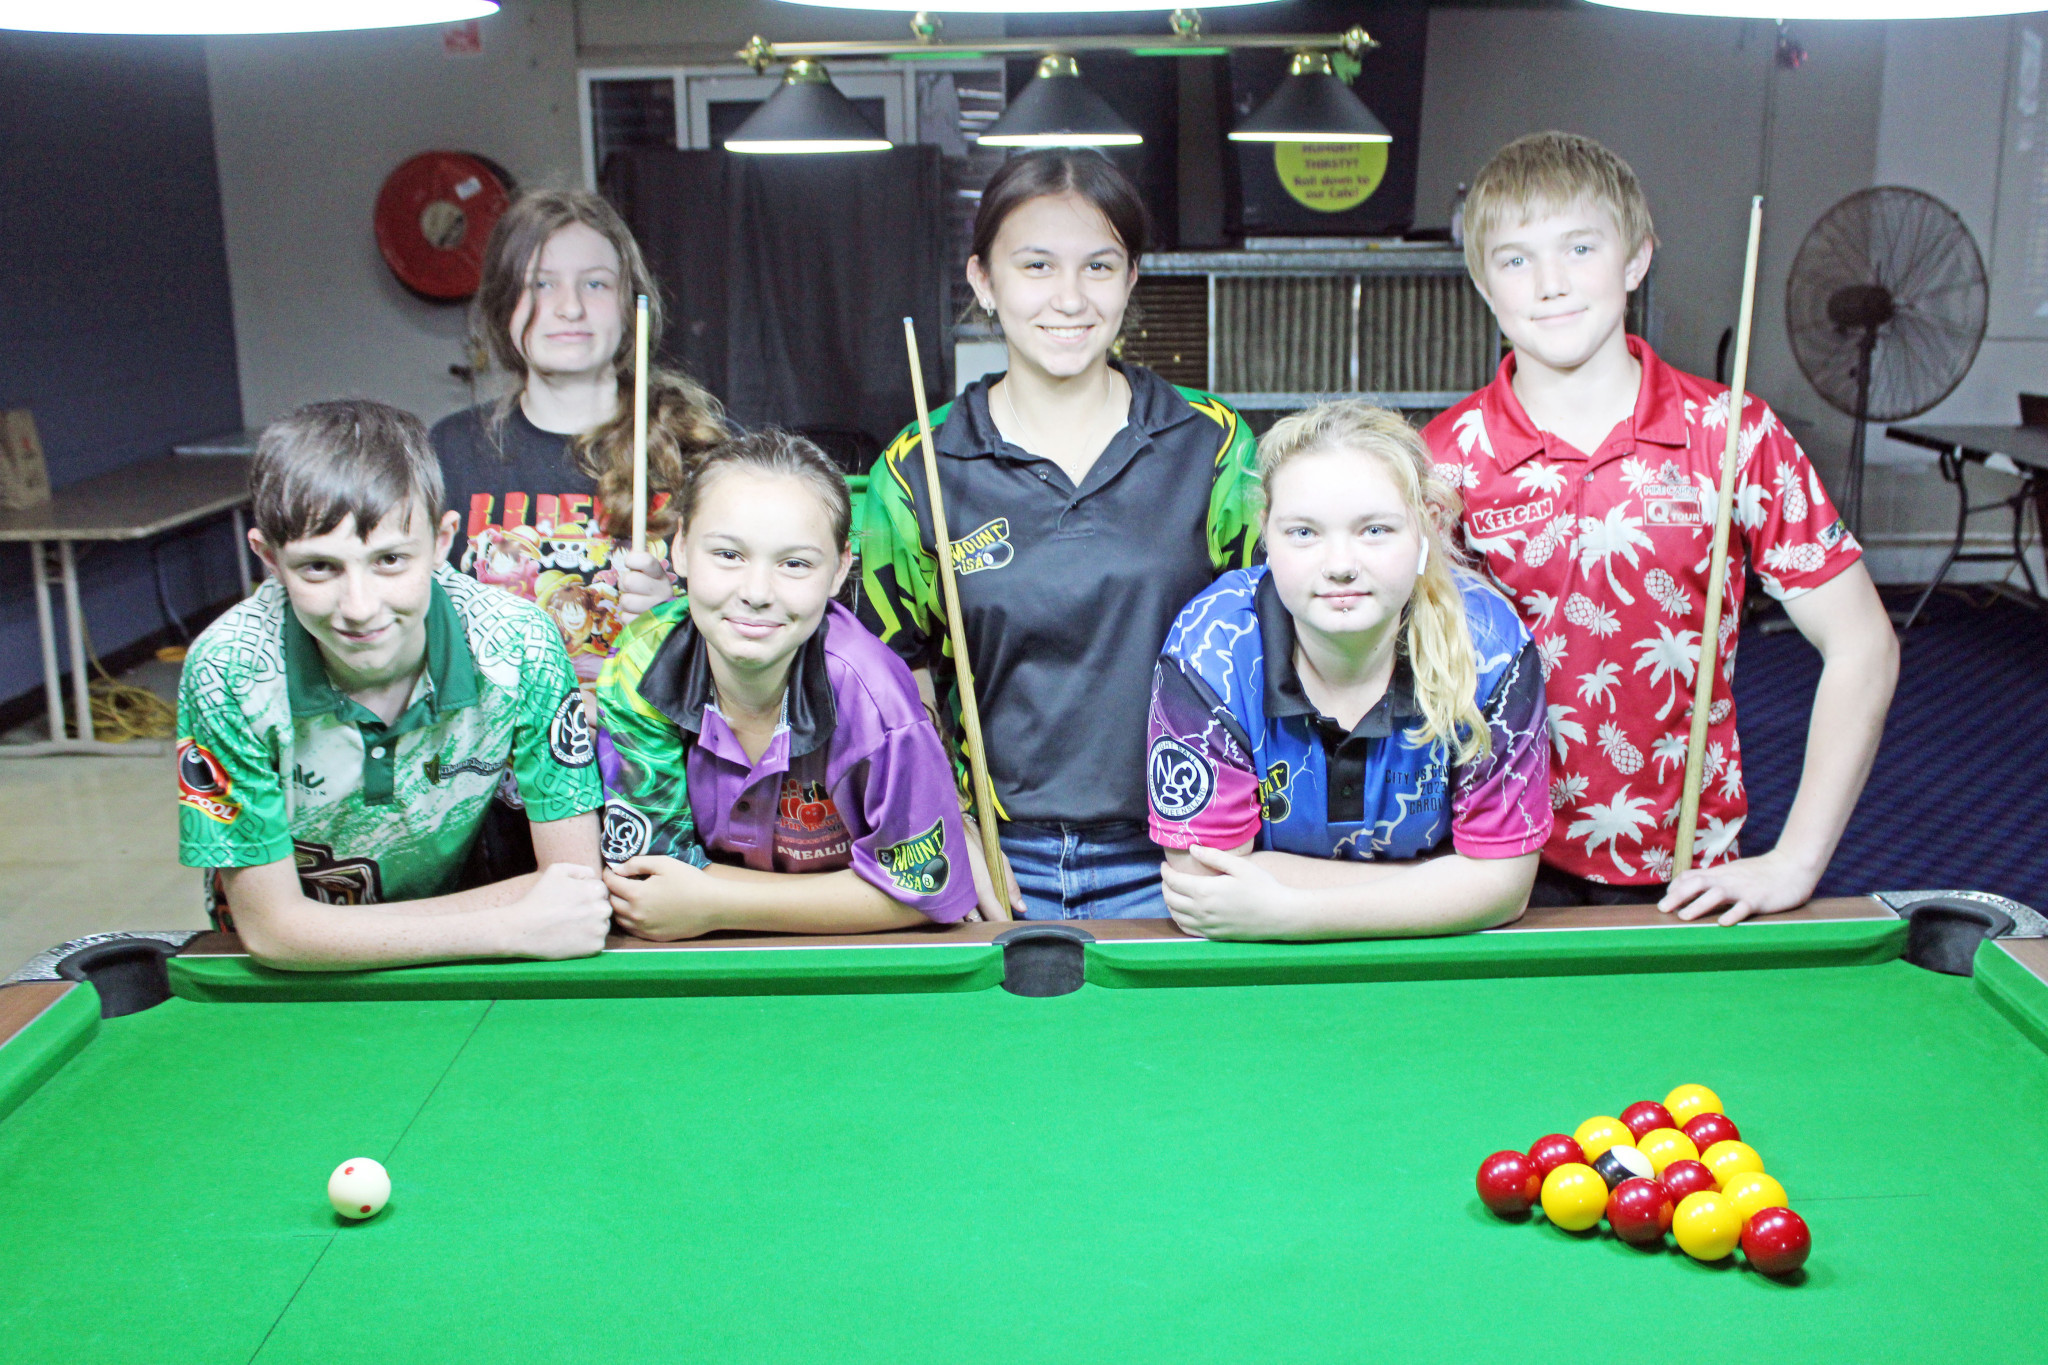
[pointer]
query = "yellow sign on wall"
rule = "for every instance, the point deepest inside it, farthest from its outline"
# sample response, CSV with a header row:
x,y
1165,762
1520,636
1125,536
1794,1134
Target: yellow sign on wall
x,y
1330,177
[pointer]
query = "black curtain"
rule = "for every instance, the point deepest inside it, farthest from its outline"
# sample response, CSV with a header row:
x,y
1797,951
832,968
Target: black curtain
x,y
788,277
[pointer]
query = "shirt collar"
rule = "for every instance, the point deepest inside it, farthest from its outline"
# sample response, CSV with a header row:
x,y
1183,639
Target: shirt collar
x,y
1659,417
678,683
1285,695
969,431
450,673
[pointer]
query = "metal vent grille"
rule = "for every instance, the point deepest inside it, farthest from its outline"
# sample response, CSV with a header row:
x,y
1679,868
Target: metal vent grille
x,y
1423,332
1167,328
1283,333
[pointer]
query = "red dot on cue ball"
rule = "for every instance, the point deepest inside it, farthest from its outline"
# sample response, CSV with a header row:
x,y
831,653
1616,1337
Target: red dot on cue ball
x,y
1555,1150
1647,1116
1708,1129
1776,1241
1640,1210
1688,1177
1509,1183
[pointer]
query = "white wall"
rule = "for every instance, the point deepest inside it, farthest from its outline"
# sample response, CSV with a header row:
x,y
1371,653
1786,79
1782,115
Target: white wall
x,y
1941,131
306,128
1681,99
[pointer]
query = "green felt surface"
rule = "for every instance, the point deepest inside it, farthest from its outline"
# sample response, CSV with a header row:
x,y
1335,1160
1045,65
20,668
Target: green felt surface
x,y
1231,1174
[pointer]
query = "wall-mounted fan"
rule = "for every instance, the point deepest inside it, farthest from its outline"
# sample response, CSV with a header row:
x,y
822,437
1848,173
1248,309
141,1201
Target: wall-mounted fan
x,y
1885,307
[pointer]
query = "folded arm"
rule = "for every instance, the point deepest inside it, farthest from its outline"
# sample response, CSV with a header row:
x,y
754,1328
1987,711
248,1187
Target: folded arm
x,y
1245,895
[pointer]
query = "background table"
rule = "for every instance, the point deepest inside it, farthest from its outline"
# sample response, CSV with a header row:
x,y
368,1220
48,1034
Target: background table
x,y
134,503
2020,451
858,1150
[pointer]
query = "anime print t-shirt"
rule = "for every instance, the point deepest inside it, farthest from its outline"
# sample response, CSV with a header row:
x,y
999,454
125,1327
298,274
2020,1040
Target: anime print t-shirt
x,y
532,526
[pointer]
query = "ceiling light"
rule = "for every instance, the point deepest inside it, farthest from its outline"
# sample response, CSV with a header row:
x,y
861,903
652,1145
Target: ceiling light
x,y
233,16
1312,105
1828,9
1012,7
806,114
1058,110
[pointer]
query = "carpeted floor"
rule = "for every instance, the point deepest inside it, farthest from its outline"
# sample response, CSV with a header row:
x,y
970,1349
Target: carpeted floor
x,y
1959,796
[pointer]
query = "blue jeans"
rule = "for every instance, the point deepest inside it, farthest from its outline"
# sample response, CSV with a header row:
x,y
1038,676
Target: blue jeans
x,y
1108,870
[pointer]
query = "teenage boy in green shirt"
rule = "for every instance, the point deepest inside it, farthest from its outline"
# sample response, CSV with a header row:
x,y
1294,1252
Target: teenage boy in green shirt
x,y
342,731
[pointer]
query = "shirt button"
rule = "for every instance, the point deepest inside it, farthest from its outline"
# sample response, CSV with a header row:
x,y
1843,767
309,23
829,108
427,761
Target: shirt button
x,y
744,805
377,752
1350,791
1589,478
1043,475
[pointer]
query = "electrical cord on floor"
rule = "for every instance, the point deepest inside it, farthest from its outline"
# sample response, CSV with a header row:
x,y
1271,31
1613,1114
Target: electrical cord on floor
x,y
123,711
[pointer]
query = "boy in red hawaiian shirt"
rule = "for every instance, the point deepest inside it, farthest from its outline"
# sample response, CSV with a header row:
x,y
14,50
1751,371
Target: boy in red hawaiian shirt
x,y
1590,470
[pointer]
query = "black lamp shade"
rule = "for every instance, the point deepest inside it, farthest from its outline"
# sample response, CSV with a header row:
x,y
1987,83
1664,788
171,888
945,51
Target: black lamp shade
x,y
1312,106
806,114
1058,110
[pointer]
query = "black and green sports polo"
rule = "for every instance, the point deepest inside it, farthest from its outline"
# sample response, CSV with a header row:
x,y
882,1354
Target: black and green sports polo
x,y
1067,592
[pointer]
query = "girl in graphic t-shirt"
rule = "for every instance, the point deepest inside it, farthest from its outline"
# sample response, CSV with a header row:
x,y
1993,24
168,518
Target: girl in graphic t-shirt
x,y
543,476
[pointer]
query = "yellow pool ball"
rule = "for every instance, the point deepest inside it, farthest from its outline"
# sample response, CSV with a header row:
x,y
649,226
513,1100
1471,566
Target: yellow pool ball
x,y
1729,1159
1666,1145
1705,1226
1574,1197
1753,1190
1596,1135
1688,1102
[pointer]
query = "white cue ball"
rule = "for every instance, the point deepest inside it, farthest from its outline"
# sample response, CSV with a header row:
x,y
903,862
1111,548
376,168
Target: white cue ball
x,y
358,1188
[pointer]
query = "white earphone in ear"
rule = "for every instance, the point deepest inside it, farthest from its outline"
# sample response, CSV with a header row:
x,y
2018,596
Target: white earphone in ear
x,y
1422,560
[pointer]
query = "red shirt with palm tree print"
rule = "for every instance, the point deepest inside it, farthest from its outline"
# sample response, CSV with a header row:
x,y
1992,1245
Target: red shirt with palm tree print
x,y
1606,558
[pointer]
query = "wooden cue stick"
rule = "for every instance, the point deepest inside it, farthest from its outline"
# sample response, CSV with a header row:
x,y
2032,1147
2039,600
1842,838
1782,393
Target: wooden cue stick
x,y
1724,507
970,714
640,424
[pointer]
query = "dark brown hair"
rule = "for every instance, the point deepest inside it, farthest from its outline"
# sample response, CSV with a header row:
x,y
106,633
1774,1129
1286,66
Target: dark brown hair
x,y
771,451
331,461
1063,170
681,416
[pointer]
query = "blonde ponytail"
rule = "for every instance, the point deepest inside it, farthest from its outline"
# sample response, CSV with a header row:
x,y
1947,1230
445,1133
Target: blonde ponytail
x,y
1433,638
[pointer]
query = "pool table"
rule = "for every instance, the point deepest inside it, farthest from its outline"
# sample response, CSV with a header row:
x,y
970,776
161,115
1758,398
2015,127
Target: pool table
x,y
749,1149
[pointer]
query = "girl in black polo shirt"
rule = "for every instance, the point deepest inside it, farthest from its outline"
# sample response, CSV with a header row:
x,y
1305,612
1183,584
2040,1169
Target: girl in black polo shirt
x,y
1087,500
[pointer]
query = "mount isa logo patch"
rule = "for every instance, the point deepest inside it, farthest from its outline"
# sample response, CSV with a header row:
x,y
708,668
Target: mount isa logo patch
x,y
918,866
203,784
986,547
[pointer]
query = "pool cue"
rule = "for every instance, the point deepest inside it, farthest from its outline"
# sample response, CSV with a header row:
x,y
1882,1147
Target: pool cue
x,y
640,425
1724,508
970,714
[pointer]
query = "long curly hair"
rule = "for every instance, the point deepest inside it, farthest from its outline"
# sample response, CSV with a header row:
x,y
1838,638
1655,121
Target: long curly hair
x,y
682,417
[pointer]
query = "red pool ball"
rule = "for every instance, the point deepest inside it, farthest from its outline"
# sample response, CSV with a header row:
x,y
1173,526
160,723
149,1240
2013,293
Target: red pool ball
x,y
1776,1241
1647,1116
1708,1129
1688,1177
1639,1211
1558,1149
1509,1183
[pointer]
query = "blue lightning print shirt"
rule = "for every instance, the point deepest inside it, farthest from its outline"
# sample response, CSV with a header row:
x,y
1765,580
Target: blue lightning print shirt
x,y
1239,751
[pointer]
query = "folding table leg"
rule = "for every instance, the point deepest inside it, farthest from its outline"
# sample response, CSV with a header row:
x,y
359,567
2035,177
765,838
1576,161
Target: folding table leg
x,y
74,628
242,553
46,631
1952,470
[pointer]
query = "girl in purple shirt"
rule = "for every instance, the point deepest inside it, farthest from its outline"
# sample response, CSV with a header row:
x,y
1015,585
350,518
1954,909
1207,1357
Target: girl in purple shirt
x,y
767,762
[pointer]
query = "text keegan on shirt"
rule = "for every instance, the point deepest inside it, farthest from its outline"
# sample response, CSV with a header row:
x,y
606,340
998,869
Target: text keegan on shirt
x,y
1606,557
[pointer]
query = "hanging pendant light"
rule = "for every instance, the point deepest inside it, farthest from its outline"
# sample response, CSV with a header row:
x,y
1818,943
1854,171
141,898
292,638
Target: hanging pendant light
x,y
1312,105
806,114
1058,110
1012,7
233,16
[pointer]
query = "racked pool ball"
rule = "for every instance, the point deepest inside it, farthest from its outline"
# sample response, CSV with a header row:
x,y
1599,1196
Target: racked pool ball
x,y
1645,1117
1574,1197
1509,1183
1622,1162
358,1188
1688,1102
1707,1129
1596,1135
1553,1151
1729,1159
1639,1211
1752,1192
1687,1177
1706,1226
1666,1145
1776,1241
